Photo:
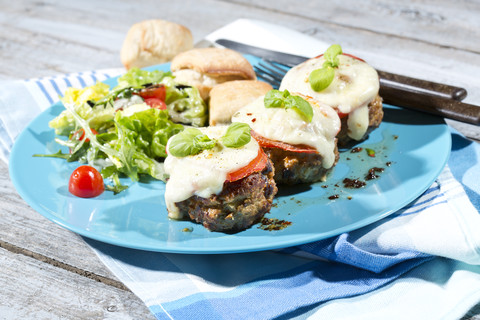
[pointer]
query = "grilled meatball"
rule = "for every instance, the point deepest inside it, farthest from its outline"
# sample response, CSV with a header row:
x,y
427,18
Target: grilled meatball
x,y
296,167
240,205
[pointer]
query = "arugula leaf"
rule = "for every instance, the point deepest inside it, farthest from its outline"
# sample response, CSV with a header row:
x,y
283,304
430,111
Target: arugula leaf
x,y
58,154
237,135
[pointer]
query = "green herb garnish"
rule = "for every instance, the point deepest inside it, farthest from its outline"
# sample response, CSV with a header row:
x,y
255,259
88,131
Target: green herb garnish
x,y
189,142
192,141
370,152
320,79
58,154
283,99
237,135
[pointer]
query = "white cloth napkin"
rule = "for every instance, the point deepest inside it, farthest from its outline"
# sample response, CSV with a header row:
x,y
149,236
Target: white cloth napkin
x,y
422,262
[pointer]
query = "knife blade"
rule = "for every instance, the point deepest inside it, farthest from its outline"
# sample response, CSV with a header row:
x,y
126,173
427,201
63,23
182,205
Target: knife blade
x,y
431,97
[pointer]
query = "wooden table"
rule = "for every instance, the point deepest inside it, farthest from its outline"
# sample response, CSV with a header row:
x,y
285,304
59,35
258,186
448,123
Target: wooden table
x,y
49,272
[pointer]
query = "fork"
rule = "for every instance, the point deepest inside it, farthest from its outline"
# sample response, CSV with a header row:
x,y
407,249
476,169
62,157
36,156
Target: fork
x,y
421,99
271,72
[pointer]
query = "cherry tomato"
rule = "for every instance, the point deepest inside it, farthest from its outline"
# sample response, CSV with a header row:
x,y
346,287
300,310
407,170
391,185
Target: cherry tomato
x,y
156,103
81,133
154,91
267,143
256,165
86,182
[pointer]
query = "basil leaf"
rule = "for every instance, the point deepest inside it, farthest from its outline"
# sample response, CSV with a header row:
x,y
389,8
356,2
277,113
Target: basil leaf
x,y
331,54
203,142
283,99
301,106
237,135
320,79
274,99
182,145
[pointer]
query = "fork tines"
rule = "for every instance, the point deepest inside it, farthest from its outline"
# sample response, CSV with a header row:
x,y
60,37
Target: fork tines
x,y
271,72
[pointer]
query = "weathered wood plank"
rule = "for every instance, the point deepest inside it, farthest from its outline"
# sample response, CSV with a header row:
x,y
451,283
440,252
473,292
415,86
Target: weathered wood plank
x,y
443,23
23,227
202,19
31,289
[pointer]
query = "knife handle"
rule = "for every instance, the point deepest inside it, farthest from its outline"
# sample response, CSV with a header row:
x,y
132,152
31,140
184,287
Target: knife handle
x,y
437,105
421,86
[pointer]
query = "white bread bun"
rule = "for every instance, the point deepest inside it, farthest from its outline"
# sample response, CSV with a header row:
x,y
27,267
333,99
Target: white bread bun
x,y
204,68
152,42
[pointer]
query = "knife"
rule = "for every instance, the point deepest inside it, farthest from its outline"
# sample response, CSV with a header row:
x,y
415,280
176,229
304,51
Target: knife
x,y
431,97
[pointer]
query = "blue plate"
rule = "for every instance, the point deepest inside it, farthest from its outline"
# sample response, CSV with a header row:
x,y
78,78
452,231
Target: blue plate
x,y
411,147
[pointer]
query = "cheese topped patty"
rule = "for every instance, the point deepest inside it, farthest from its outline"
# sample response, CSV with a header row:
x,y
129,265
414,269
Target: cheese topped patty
x,y
204,174
286,125
355,85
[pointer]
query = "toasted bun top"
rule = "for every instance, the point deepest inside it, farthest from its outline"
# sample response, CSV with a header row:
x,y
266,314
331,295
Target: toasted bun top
x,y
153,42
214,62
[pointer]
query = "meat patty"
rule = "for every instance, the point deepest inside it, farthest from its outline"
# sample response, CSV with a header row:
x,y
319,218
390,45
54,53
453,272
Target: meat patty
x,y
240,205
297,167
375,116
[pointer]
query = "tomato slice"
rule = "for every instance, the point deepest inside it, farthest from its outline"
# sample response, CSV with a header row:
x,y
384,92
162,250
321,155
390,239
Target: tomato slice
x,y
256,165
86,182
156,103
267,143
80,134
157,91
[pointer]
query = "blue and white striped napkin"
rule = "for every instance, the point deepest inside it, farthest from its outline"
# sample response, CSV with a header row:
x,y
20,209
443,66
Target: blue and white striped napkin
x,y
22,100
422,262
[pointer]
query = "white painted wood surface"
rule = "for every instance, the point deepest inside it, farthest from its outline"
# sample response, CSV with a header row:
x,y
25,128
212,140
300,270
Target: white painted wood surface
x,y
51,273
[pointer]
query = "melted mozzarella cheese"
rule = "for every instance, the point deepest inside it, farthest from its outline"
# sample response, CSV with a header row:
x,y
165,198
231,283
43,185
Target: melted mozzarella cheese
x,y
355,85
203,174
288,126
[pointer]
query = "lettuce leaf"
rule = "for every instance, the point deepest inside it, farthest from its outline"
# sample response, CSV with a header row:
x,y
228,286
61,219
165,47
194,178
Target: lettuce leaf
x,y
136,78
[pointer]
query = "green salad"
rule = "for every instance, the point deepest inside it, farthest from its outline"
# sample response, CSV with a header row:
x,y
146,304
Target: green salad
x,y
123,131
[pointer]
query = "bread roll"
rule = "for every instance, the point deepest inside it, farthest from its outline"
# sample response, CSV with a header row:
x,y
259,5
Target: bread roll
x,y
204,68
153,42
229,97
